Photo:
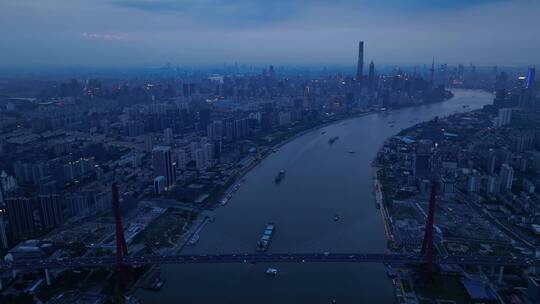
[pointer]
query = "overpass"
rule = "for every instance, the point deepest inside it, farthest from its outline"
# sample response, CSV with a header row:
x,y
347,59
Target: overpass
x,y
391,258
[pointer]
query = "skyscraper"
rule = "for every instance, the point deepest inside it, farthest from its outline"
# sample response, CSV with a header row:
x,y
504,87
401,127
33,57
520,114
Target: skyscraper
x,y
200,159
168,137
360,66
50,210
163,164
527,98
159,185
3,235
493,184
529,79
504,118
182,159
208,154
371,76
148,143
21,218
507,177
307,99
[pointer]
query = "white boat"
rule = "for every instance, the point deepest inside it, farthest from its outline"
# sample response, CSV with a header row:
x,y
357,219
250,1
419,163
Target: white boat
x,y
272,271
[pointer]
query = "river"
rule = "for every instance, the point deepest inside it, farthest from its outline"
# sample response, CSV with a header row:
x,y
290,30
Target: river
x,y
321,180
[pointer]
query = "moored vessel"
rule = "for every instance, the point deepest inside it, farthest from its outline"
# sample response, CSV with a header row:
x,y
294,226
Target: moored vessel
x,y
264,241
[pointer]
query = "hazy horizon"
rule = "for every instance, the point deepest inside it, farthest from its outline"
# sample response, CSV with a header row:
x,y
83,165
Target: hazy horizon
x,y
128,33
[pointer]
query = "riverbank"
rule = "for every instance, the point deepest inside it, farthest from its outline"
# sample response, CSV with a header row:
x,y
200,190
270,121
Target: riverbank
x,y
379,202
403,204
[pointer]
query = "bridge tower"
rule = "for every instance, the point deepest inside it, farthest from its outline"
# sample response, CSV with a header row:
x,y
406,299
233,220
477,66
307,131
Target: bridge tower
x,y
427,244
121,247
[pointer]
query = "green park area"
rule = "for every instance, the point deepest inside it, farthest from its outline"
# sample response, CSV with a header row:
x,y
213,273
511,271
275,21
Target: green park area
x,y
165,231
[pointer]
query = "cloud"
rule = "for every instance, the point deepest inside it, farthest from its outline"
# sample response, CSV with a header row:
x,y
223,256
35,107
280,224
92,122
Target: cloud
x,y
231,12
319,32
105,36
211,13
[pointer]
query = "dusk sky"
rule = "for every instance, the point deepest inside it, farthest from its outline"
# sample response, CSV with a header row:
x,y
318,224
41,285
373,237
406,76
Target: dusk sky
x,y
319,32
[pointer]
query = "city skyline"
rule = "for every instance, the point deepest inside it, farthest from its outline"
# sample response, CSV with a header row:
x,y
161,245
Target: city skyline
x,y
109,33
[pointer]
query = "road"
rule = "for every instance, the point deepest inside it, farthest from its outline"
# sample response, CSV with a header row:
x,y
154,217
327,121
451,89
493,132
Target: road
x,y
272,258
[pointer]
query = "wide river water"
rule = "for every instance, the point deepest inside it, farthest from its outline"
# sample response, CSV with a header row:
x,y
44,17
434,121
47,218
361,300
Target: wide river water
x,y
321,180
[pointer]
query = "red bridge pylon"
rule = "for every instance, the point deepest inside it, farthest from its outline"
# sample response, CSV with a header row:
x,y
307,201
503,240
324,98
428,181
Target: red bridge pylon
x,y
121,247
427,244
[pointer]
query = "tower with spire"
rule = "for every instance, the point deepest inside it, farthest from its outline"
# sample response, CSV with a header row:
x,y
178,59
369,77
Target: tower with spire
x,y
371,76
360,66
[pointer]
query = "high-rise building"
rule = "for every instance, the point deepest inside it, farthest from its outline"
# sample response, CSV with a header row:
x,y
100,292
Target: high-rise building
x,y
240,128
3,232
182,159
307,99
28,173
50,211
271,71
473,183
21,217
193,146
529,79
159,185
200,160
148,143
168,137
360,65
527,98
491,161
371,76
493,185
506,177
214,130
217,149
504,118
7,184
501,81
134,128
204,118
163,164
284,118
208,154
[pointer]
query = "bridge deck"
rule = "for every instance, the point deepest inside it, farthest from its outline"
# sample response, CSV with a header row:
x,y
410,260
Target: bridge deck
x,y
269,258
